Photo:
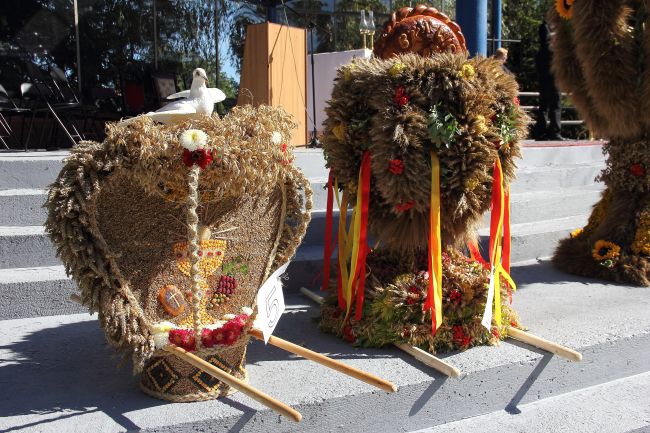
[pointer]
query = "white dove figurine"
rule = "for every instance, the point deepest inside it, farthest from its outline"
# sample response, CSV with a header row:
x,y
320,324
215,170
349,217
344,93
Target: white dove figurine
x,y
198,101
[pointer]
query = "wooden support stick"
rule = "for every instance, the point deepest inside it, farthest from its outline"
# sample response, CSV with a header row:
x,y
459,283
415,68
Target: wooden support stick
x,y
419,354
238,384
544,344
327,361
311,295
430,360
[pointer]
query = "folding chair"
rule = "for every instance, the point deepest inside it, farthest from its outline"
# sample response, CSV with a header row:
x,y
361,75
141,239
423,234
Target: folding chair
x,y
41,94
8,108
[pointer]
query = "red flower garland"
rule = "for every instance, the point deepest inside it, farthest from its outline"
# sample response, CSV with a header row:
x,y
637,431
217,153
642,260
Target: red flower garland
x,y
637,170
460,337
401,98
200,157
396,166
403,207
183,338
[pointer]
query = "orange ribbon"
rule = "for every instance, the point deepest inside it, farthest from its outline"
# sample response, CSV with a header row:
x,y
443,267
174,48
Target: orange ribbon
x,y
434,256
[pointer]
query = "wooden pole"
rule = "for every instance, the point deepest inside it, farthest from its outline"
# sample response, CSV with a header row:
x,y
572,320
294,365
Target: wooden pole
x,y
327,362
430,360
544,344
419,354
232,381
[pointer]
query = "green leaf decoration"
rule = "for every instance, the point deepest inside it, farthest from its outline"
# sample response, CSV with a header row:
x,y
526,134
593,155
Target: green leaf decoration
x,y
507,125
443,127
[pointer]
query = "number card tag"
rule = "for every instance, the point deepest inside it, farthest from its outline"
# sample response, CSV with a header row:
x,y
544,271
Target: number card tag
x,y
270,303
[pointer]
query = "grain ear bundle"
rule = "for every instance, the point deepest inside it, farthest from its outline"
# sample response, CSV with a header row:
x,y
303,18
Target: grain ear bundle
x,y
600,56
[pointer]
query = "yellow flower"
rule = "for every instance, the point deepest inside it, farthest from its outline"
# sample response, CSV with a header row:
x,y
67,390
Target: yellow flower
x,y
193,139
396,69
564,8
604,250
467,71
347,72
339,131
480,125
162,327
641,244
471,183
576,233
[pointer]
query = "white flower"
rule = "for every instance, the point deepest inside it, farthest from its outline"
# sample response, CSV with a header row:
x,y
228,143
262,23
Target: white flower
x,y
161,339
229,316
162,327
247,311
194,139
276,138
216,325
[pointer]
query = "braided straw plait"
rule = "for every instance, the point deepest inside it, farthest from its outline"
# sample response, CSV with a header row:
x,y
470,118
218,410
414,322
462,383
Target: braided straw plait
x,y
193,248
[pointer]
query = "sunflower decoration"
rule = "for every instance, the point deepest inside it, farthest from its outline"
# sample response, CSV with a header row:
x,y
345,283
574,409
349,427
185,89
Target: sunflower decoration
x,y
564,8
605,252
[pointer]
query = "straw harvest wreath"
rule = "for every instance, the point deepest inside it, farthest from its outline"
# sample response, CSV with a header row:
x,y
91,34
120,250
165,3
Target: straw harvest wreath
x,y
169,230
601,58
420,148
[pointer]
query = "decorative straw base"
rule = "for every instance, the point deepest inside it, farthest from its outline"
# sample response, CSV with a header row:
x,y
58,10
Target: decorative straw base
x,y
393,310
170,378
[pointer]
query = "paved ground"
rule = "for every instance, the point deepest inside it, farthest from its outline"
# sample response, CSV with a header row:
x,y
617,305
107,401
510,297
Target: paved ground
x,y
616,407
57,375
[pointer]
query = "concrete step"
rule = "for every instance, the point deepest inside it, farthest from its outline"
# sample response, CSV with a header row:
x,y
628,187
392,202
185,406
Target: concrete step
x,y
537,239
30,169
540,154
29,247
36,292
63,378
26,246
22,207
556,203
555,177
39,169
594,409
525,207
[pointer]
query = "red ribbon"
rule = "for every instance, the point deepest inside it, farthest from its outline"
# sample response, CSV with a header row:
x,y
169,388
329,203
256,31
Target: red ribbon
x,y
363,235
475,254
327,256
495,217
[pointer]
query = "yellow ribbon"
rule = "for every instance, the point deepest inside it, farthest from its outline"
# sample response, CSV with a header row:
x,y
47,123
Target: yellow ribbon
x,y
495,259
348,243
435,239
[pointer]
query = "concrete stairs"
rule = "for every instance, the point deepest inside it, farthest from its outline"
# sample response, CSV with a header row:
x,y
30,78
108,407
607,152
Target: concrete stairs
x,y
58,375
